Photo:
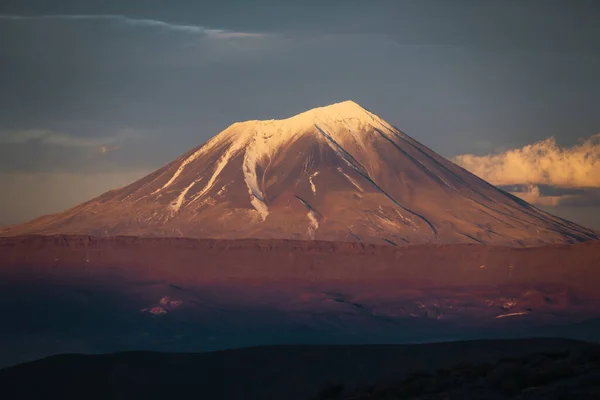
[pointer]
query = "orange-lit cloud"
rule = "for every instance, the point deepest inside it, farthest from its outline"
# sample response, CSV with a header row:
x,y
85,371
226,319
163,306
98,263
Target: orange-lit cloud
x,y
533,195
542,163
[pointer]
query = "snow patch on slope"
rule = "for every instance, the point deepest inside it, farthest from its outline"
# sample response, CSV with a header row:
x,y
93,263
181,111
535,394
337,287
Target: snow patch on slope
x,y
233,149
223,189
407,221
211,144
251,159
514,314
313,218
182,166
314,223
312,184
176,205
352,181
262,140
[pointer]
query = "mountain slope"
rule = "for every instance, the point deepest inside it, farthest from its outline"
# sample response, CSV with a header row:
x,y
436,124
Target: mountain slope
x,y
332,173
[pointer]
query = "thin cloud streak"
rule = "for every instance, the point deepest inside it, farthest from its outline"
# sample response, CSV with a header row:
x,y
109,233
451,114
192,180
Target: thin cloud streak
x,y
48,137
141,23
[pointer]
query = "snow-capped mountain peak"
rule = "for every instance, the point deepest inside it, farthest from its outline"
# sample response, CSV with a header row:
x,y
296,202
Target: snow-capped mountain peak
x,y
337,172
345,116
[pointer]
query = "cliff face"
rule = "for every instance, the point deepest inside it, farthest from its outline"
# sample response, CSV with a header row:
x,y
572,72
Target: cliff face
x,y
83,293
197,261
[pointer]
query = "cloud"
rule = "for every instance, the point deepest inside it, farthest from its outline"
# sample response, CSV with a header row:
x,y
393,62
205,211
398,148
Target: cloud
x,y
108,149
49,137
533,195
139,23
581,205
540,195
543,162
118,44
545,174
552,196
222,34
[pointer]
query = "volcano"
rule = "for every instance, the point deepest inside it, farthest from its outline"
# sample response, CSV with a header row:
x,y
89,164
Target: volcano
x,y
334,173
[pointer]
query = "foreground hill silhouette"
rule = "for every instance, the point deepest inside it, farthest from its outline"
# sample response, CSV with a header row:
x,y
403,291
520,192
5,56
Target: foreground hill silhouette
x,y
336,173
473,369
543,376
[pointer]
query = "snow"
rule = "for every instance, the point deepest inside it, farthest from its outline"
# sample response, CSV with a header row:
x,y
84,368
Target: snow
x,y
340,124
182,166
514,314
343,135
233,149
251,159
312,184
224,136
314,223
345,111
260,140
176,205
348,112
352,181
222,190
340,151
260,206
313,218
406,220
265,138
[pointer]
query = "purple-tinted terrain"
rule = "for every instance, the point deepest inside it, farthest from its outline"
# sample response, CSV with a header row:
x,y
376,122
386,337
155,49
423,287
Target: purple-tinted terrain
x,y
81,293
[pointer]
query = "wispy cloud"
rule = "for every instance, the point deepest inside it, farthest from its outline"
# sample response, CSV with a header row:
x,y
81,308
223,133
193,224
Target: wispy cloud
x,y
223,34
139,23
108,149
102,145
543,162
49,137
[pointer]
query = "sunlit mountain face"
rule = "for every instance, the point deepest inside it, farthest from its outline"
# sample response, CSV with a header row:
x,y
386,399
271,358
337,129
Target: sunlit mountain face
x,y
335,173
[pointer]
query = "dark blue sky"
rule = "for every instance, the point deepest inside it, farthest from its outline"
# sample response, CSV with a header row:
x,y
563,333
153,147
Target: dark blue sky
x,y
97,93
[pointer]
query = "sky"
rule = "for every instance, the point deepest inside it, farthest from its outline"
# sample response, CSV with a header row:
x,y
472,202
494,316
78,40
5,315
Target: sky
x,y
96,94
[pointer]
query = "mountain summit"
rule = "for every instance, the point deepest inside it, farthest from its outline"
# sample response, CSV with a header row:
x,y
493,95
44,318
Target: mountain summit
x,y
332,173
